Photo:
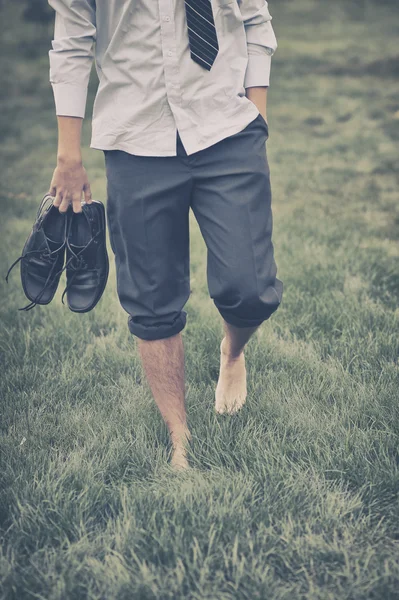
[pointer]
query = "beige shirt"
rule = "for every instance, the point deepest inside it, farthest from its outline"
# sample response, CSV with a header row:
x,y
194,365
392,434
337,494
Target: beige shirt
x,y
149,85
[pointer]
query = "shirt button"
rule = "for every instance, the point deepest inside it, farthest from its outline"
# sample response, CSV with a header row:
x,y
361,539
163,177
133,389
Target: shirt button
x,y
166,18
170,53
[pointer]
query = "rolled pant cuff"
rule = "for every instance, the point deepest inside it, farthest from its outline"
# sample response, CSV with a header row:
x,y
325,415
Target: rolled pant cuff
x,y
240,322
157,331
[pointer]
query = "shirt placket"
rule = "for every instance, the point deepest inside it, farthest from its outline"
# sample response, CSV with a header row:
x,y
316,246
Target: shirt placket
x,y
169,53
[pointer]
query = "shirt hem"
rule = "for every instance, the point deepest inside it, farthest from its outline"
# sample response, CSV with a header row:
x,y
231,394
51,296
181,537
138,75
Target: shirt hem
x,y
247,117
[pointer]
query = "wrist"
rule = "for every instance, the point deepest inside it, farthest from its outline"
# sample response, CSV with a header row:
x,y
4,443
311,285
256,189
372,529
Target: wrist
x,y
258,96
69,159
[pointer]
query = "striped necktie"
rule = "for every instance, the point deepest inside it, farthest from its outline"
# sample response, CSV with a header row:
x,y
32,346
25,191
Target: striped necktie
x,y
201,32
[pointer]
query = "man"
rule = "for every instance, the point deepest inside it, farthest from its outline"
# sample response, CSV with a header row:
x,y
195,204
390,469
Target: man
x,y
180,114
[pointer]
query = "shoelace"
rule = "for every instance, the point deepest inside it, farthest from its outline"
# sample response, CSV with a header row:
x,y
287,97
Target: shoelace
x,y
80,263
47,198
43,254
51,256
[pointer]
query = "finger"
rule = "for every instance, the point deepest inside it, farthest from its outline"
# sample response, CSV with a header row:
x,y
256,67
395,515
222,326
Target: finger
x,y
64,203
76,203
52,190
58,198
87,193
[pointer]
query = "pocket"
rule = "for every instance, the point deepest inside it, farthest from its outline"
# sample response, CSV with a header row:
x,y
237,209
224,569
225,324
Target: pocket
x,y
263,123
112,225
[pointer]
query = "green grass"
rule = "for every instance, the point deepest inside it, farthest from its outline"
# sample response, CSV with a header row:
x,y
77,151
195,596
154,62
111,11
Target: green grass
x,y
296,496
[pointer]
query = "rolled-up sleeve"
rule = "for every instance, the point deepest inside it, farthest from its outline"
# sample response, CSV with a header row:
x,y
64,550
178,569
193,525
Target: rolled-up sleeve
x,y
261,41
72,54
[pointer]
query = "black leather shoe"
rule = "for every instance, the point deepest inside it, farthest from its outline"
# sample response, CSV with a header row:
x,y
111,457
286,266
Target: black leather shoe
x,y
43,254
87,263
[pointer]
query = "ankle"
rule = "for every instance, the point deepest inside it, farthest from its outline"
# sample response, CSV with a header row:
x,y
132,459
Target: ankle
x,y
180,436
228,353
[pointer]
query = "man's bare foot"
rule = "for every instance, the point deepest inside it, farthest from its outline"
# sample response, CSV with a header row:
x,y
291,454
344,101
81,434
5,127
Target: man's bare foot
x,y
179,457
231,389
179,460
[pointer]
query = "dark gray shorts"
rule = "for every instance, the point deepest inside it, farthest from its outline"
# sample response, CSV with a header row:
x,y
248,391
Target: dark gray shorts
x,y
227,185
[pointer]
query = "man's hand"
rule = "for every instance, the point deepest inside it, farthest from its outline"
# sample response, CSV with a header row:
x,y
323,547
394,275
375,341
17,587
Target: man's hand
x,y
258,95
68,183
70,177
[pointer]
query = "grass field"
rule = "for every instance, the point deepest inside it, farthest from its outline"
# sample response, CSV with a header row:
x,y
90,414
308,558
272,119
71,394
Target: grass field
x,y
296,496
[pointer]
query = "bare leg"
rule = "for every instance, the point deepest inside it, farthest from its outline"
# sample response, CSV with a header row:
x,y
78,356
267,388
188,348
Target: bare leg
x,y
231,389
163,362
